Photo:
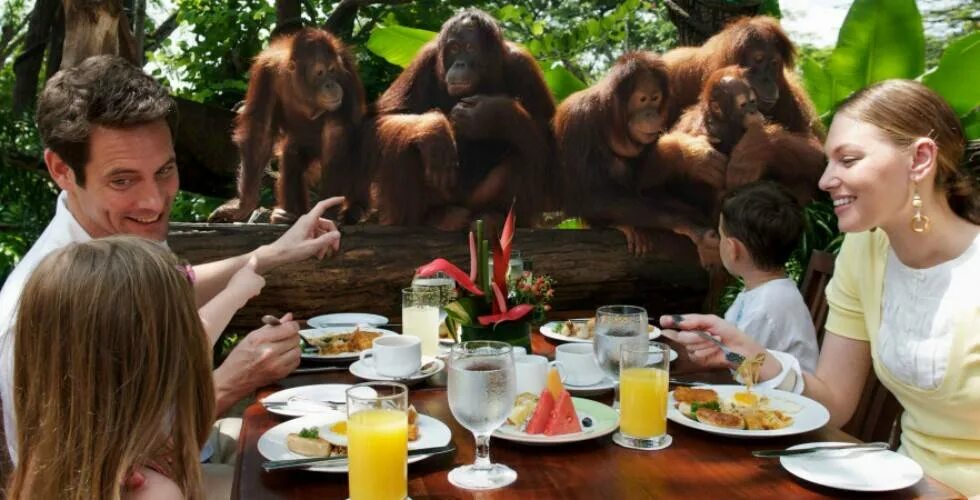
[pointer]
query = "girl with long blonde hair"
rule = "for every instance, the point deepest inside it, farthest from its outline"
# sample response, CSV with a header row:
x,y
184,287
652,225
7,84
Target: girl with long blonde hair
x,y
112,377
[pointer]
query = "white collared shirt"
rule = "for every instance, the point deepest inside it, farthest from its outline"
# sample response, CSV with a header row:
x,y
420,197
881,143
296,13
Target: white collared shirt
x,y
61,231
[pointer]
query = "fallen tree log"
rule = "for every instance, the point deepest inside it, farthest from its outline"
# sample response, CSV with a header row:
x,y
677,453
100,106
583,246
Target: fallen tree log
x,y
592,268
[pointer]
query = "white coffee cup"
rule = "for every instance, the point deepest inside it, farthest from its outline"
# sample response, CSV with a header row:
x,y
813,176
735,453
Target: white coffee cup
x,y
394,355
518,351
532,373
577,364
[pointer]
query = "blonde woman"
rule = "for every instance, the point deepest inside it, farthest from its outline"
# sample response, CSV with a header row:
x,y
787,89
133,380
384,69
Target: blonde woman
x,y
903,298
112,379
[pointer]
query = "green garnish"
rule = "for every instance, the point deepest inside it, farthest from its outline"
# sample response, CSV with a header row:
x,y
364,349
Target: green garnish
x,y
711,405
310,433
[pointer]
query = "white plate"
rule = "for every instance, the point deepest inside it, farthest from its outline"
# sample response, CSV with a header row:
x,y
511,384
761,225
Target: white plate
x,y
854,470
331,331
336,393
605,420
606,384
360,369
549,330
807,414
272,444
346,319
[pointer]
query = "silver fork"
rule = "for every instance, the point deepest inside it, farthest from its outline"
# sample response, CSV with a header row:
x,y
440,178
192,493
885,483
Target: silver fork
x,y
731,356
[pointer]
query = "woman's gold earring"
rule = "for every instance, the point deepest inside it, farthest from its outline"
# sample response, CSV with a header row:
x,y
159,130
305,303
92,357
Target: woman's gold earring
x,y
920,223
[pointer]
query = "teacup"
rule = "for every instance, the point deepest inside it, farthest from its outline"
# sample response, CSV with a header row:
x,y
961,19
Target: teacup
x,y
394,356
576,363
532,373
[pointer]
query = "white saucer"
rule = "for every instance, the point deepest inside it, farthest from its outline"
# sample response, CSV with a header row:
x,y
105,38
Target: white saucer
x,y
606,384
346,319
360,369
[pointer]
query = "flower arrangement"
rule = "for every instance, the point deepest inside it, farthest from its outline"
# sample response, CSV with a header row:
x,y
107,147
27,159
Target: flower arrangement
x,y
493,302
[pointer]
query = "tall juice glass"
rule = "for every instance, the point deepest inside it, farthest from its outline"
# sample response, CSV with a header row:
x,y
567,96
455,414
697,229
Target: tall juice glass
x,y
643,379
420,316
377,441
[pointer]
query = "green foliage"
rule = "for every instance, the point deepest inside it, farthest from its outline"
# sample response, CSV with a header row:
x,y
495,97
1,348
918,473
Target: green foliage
x,y
876,43
226,36
883,39
958,74
398,44
191,207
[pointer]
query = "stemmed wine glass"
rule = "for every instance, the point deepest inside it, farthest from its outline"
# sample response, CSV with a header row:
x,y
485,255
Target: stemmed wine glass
x,y
616,326
482,388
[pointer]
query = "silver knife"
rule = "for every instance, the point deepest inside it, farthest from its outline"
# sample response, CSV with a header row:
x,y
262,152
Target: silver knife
x,y
300,463
876,446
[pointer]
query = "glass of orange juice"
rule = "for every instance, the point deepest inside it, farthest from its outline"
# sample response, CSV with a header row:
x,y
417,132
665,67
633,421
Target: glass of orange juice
x,y
643,375
377,441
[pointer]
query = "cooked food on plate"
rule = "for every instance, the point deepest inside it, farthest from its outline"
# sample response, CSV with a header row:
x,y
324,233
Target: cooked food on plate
x,y
307,442
354,341
744,410
580,328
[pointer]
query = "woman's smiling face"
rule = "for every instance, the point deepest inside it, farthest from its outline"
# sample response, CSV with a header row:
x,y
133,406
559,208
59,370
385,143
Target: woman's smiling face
x,y
867,175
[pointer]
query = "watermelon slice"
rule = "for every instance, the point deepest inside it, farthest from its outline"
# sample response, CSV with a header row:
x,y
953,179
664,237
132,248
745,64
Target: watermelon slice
x,y
563,419
542,413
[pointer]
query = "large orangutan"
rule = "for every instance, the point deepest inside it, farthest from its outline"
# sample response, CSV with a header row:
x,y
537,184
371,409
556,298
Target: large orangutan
x,y
306,100
727,126
604,136
760,46
463,131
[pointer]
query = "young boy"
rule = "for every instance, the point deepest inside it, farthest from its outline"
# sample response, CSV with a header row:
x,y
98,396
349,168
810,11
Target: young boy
x,y
760,226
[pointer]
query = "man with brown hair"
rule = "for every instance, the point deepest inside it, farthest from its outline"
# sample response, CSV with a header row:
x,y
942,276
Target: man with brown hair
x,y
107,130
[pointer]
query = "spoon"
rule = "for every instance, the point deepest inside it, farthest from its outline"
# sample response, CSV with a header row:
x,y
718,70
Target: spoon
x,y
274,321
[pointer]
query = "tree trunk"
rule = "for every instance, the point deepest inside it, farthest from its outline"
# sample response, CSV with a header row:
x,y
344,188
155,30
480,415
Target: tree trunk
x,y
139,31
56,44
698,20
27,66
592,268
289,17
94,27
207,158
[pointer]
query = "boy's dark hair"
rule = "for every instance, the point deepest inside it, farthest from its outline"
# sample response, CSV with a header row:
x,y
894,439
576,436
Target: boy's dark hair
x,y
766,218
102,90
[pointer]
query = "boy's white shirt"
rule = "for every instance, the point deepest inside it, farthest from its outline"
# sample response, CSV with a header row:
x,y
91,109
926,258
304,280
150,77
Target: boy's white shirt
x,y
775,315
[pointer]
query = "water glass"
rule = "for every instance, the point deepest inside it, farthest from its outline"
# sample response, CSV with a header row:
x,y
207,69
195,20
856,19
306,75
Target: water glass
x,y
643,377
441,282
420,316
616,326
482,389
377,441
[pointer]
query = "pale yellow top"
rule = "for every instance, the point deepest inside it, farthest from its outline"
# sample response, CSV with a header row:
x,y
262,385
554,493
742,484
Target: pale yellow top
x,y
941,426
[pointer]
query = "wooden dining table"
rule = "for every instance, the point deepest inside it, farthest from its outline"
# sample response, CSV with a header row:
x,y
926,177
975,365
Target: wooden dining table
x,y
696,465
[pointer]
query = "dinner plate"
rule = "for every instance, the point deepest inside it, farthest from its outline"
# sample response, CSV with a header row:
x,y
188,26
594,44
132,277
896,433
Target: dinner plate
x,y
550,330
331,331
334,393
605,420
272,444
360,369
855,470
807,414
346,319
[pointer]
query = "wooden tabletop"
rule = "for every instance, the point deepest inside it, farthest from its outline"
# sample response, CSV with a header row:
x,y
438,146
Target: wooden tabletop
x,y
696,465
